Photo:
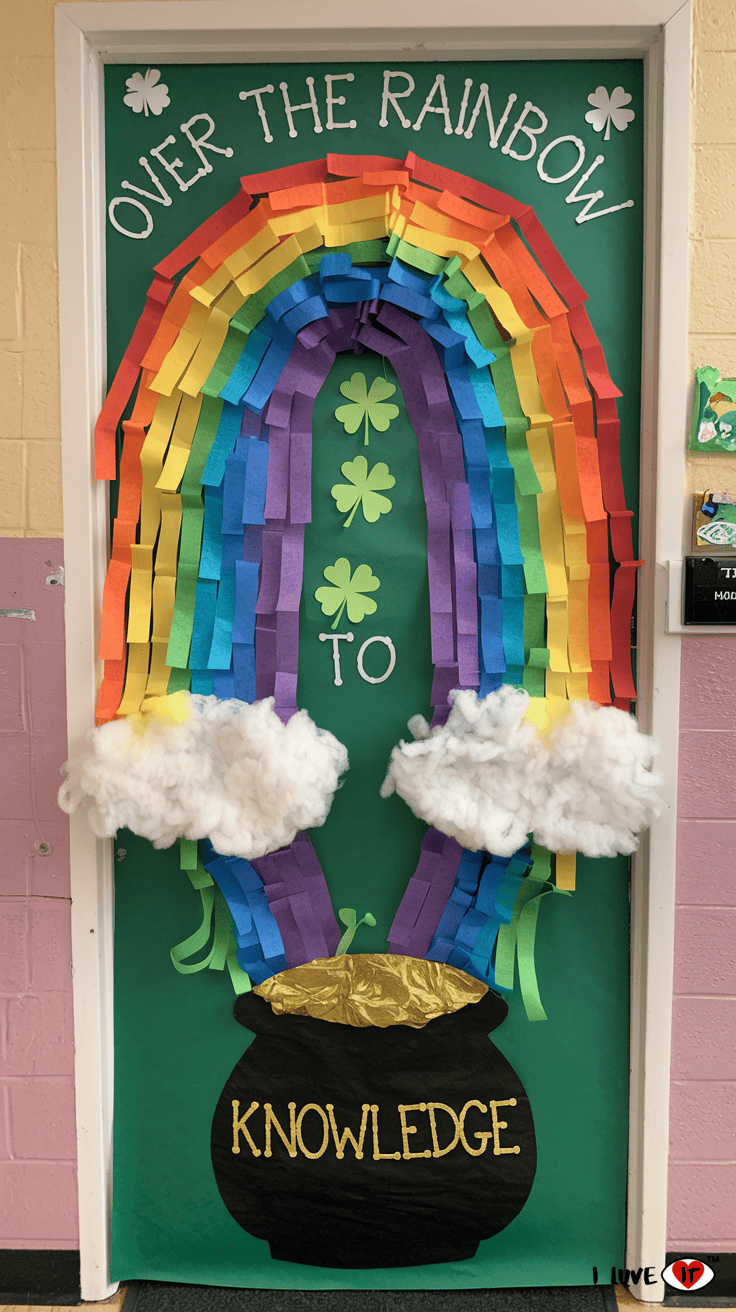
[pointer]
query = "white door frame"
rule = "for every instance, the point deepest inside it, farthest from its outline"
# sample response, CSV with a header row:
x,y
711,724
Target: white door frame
x,y
88,35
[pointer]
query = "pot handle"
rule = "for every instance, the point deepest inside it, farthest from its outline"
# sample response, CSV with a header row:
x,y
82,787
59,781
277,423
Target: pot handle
x,y
488,1013
254,1012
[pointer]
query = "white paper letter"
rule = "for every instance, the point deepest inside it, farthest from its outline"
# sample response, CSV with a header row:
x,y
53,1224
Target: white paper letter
x,y
308,104
128,200
202,143
531,133
337,100
392,659
564,177
335,638
261,91
429,108
395,96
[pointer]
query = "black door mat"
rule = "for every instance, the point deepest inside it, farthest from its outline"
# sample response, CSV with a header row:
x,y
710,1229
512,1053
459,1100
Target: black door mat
x,y
39,1275
155,1296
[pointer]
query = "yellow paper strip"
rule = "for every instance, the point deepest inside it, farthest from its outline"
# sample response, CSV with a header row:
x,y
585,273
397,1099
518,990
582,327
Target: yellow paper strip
x,y
158,679
550,538
136,676
369,230
333,216
537,440
578,645
577,687
275,262
527,384
565,871
152,457
139,605
164,589
576,555
168,542
181,444
439,245
498,300
182,351
212,341
213,287
248,255
557,629
555,684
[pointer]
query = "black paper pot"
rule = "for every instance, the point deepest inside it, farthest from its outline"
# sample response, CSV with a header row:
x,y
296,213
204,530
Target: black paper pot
x,y
366,1147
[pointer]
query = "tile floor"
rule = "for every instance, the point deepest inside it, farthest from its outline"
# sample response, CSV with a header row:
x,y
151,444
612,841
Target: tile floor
x,y
623,1298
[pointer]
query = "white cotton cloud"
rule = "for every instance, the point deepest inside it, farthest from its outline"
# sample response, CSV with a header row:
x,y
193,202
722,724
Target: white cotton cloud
x,y
476,778
487,777
232,772
600,783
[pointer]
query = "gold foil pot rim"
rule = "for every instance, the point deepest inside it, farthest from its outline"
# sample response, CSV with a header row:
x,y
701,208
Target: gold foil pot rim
x,y
371,988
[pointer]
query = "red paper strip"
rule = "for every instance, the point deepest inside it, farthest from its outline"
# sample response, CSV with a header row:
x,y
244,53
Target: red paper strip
x,y
203,236
125,379
293,175
622,606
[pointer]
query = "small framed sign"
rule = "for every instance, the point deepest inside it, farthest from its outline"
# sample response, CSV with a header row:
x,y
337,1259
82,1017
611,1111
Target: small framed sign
x,y
710,590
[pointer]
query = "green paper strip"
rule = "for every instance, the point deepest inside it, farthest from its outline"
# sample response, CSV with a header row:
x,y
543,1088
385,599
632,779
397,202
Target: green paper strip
x,y
179,681
517,425
485,327
537,659
459,287
250,314
526,935
200,937
535,575
188,854
238,978
507,934
226,361
182,620
426,261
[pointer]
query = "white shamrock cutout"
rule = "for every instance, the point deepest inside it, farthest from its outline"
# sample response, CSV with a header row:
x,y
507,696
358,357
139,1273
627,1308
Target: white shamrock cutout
x,y
608,110
144,94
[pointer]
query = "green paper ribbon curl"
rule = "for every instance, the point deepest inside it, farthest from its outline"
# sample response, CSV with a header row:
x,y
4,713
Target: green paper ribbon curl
x,y
349,918
516,941
224,949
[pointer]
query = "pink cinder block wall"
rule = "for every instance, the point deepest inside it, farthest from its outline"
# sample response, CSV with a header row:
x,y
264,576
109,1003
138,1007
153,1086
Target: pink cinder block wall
x,y
38,1187
702,1172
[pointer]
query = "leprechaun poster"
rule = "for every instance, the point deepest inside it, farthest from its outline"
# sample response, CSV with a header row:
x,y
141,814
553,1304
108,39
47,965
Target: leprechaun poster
x,y
364,730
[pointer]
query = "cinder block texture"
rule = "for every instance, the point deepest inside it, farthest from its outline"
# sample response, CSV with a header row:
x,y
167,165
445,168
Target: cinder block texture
x,y
705,953
42,1119
702,1204
706,863
703,1121
38,1200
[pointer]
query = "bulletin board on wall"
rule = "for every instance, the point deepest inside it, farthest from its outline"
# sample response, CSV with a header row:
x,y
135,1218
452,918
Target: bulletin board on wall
x,y
565,139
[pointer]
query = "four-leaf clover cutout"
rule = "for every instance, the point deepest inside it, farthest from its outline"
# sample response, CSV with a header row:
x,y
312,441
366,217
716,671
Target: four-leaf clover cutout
x,y
370,406
348,591
144,93
361,489
608,110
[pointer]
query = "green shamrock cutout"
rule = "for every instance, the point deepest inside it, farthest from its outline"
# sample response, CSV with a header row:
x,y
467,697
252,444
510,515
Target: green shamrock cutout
x,y
364,490
371,406
348,591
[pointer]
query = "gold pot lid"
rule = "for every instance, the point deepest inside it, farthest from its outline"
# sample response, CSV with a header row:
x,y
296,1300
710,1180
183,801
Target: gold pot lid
x,y
371,989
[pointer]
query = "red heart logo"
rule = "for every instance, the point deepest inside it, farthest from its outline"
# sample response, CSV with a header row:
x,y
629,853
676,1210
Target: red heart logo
x,y
688,1273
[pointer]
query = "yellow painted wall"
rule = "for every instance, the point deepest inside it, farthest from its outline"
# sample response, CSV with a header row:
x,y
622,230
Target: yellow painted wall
x,y
30,463
713,215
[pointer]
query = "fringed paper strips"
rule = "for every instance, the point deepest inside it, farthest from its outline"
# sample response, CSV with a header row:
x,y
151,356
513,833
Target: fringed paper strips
x,y
505,385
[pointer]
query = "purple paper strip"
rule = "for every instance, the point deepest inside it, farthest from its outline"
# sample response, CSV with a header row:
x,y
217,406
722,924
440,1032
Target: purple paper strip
x,y
300,463
442,632
443,879
268,593
316,885
292,563
265,645
445,679
277,487
400,933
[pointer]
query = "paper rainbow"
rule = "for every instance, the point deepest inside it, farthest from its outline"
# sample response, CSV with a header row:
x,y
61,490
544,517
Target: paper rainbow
x,y
508,392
